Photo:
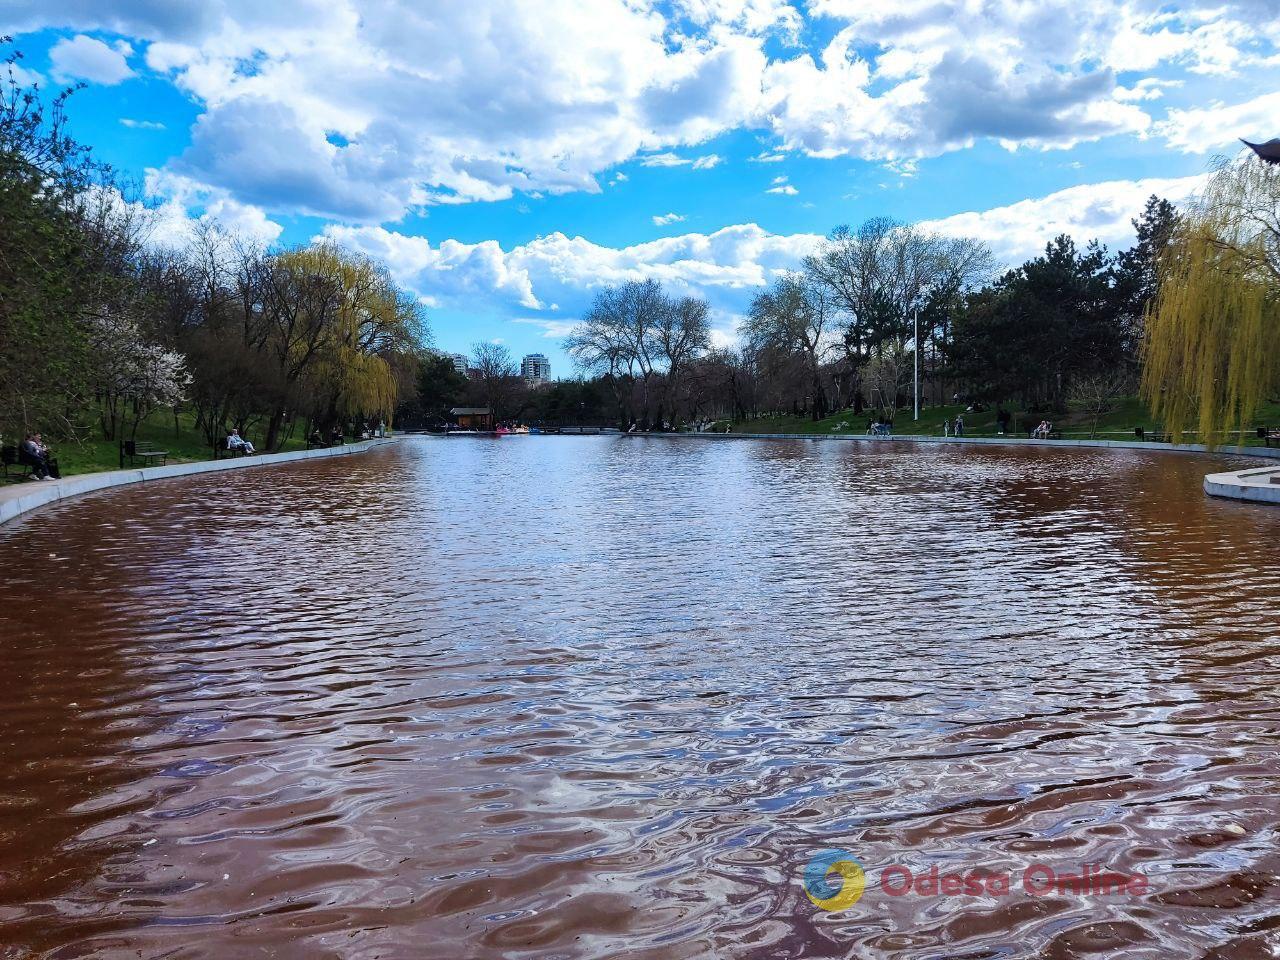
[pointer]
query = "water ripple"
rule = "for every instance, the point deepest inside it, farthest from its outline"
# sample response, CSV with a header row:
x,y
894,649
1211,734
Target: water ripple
x,y
588,697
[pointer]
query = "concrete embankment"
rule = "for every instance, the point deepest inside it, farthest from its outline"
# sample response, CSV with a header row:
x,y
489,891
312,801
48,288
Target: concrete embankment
x,y
17,499
1256,485
1149,446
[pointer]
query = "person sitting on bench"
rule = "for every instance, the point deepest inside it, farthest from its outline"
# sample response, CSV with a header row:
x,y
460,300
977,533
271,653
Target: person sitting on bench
x,y
35,454
238,443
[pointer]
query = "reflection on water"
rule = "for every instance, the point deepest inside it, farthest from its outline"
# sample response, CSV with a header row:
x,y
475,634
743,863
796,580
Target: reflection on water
x,y
601,697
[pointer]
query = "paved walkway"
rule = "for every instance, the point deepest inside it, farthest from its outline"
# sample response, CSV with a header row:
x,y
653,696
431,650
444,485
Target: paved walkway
x,y
19,498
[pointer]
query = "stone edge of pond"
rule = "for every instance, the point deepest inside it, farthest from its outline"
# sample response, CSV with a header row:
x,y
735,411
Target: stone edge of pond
x,y
1254,485
1269,453
16,500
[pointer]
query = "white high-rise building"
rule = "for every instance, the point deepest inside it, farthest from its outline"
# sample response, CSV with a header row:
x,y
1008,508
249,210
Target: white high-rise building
x,y
536,369
460,362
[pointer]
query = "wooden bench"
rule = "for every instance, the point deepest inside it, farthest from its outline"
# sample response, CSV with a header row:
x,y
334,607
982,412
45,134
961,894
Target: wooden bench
x,y
1269,436
1054,434
1140,433
9,458
225,449
133,451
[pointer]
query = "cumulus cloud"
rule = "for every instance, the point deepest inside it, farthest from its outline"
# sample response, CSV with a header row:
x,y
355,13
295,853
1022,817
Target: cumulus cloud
x,y
133,124
84,58
780,186
175,196
668,159
663,219
552,279
1101,211
365,111
560,274
1211,128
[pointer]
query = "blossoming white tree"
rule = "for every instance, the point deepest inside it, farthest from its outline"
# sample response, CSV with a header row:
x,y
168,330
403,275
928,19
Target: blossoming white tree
x,y
133,375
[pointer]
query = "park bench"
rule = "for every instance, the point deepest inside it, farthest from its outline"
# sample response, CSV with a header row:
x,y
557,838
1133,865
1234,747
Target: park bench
x,y
9,458
1140,433
1054,434
133,451
1269,436
223,448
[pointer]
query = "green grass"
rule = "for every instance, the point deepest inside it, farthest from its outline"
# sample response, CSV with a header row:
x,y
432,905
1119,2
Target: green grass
x,y
185,444
1117,425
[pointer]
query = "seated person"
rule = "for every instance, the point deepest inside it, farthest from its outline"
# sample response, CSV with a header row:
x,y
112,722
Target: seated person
x,y
336,438
35,454
238,443
316,440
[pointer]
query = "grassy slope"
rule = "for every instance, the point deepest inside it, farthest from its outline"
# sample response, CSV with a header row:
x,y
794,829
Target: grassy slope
x,y
186,445
1117,425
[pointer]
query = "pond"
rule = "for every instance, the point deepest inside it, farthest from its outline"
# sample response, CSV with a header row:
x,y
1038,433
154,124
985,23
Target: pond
x,y
609,697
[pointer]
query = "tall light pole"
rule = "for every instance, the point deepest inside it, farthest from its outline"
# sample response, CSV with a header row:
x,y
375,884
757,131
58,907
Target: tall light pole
x,y
916,354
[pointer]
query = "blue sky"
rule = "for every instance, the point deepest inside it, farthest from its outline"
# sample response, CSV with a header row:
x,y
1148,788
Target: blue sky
x,y
507,158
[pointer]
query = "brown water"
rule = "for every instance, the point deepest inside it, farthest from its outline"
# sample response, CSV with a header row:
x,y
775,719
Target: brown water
x,y
599,697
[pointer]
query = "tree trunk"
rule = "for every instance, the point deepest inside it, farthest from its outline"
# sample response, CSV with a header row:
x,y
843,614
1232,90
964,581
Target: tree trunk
x,y
273,429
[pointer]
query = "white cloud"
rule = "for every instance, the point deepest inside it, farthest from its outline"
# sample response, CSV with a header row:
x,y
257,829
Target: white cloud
x,y
1148,88
177,195
551,329
664,160
560,274
1100,211
726,266
781,186
669,159
21,76
1220,125
141,124
663,219
84,58
303,102
766,157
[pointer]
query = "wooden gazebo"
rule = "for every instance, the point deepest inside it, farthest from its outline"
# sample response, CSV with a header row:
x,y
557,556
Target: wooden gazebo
x,y
472,418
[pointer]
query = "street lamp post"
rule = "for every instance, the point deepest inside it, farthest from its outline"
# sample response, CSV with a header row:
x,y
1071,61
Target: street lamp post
x,y
916,355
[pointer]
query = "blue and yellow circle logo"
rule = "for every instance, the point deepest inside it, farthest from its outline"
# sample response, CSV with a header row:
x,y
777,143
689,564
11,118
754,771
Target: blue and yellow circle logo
x,y
825,894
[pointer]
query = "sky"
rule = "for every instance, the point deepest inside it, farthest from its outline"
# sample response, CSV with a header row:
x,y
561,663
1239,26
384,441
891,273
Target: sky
x,y
508,158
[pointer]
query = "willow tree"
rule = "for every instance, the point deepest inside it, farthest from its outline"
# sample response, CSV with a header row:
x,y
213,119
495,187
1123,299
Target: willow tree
x,y
335,320
1212,349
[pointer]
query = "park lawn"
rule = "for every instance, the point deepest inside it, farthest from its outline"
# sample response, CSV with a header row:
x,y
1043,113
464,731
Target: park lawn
x,y
1119,424
185,444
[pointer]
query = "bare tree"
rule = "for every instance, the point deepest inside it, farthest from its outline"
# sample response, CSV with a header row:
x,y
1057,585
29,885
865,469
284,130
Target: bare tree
x,y
880,275
1096,396
496,377
681,334
794,318
642,340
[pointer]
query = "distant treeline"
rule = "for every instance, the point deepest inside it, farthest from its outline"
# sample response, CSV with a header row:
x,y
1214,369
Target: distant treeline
x,y
842,331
